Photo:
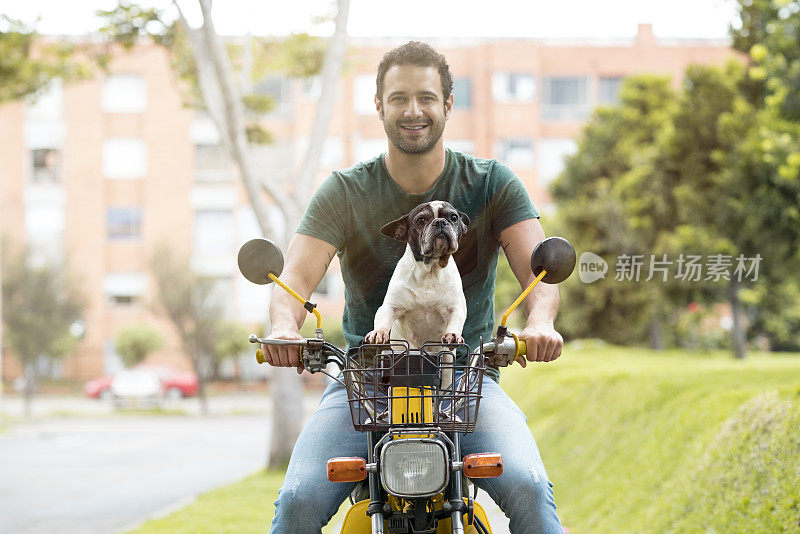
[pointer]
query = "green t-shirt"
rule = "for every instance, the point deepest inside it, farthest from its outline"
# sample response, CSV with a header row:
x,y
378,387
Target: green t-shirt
x,y
350,207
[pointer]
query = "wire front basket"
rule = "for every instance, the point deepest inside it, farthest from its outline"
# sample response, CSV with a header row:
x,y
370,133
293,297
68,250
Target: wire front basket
x,y
392,385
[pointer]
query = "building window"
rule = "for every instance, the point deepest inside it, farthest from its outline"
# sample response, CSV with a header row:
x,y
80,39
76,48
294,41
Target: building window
x,y
366,149
551,157
45,168
565,97
515,152
332,150
222,294
124,289
124,93
467,146
462,93
212,163
280,89
513,87
213,232
364,91
608,90
46,105
124,157
312,87
124,223
44,230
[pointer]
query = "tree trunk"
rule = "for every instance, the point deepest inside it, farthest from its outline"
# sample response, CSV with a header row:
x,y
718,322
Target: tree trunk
x,y
201,396
28,389
656,333
737,332
201,384
287,414
329,81
286,393
286,385
223,102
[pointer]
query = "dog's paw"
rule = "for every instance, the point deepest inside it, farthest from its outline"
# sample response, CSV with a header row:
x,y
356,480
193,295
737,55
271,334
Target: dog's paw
x,y
377,336
452,338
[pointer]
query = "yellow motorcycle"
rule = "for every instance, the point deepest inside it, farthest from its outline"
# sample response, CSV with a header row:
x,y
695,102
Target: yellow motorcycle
x,y
412,406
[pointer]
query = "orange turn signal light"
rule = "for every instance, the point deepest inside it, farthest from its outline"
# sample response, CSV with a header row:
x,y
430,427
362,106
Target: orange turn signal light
x,y
483,465
347,469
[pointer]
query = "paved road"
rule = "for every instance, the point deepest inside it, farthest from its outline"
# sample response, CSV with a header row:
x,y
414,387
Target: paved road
x,y
101,475
94,472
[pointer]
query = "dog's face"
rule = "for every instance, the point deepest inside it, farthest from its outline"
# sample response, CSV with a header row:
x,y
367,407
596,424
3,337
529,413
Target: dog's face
x,y
432,230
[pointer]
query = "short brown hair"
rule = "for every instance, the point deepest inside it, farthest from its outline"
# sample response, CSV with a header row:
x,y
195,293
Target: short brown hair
x,y
415,53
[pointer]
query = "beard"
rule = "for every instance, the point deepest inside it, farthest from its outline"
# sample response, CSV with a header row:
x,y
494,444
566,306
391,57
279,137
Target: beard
x,y
417,144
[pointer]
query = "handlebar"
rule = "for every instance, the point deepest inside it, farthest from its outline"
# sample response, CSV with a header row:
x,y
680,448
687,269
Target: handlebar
x,y
315,353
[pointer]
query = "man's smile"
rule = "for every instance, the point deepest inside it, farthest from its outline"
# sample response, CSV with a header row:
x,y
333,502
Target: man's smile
x,y
413,128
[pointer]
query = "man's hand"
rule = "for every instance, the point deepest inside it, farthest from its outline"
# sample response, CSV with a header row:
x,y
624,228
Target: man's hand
x,y
307,259
543,342
283,355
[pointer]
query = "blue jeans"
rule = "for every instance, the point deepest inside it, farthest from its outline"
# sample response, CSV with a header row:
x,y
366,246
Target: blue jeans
x,y
308,500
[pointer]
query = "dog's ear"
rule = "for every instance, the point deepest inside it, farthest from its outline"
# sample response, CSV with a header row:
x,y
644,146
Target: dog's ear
x,y
397,229
464,222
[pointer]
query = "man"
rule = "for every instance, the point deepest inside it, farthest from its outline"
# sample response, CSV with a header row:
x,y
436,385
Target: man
x,y
414,100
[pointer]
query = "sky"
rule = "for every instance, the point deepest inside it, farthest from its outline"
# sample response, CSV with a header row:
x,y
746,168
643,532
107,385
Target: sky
x,y
707,19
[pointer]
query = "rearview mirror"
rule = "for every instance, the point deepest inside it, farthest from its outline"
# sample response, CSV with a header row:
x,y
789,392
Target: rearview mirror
x,y
258,258
555,255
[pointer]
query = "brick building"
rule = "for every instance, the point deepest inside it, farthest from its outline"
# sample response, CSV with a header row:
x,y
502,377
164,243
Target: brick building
x,y
103,170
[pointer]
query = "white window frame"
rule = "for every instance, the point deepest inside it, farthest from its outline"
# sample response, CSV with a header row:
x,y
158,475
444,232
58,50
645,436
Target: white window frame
x,y
551,154
364,90
516,157
524,89
124,93
124,158
570,110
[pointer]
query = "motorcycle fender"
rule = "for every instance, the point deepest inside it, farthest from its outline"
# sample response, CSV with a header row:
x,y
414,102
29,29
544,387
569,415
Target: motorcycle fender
x,y
356,521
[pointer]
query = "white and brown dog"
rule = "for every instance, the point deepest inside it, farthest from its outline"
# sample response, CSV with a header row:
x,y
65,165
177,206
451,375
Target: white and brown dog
x,y
424,300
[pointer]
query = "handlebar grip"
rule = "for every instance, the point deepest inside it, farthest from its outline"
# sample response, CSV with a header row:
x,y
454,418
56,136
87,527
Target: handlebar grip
x,y
522,348
260,358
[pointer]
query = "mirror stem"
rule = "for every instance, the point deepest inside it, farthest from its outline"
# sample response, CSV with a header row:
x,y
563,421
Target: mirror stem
x,y
306,304
520,299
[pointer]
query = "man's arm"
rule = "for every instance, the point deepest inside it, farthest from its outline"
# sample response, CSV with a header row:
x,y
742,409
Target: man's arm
x,y
306,262
541,304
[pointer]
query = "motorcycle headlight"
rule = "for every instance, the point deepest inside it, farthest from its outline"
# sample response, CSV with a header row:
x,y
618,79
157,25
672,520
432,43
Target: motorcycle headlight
x,y
414,467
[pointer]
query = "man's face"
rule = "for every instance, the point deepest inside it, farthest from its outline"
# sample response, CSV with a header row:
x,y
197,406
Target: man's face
x,y
413,108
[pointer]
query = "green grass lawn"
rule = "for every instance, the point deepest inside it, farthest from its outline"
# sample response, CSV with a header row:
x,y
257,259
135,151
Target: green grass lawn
x,y
241,508
634,441
644,441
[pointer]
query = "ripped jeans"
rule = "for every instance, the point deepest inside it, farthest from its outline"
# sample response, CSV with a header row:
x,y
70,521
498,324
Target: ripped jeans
x,y
308,500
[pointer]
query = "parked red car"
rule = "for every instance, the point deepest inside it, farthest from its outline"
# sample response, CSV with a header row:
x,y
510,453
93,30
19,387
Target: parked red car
x,y
176,383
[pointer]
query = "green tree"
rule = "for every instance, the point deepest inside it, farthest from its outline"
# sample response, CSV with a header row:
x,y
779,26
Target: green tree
x,y
40,304
231,340
201,57
606,197
28,64
693,170
194,309
769,156
135,342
